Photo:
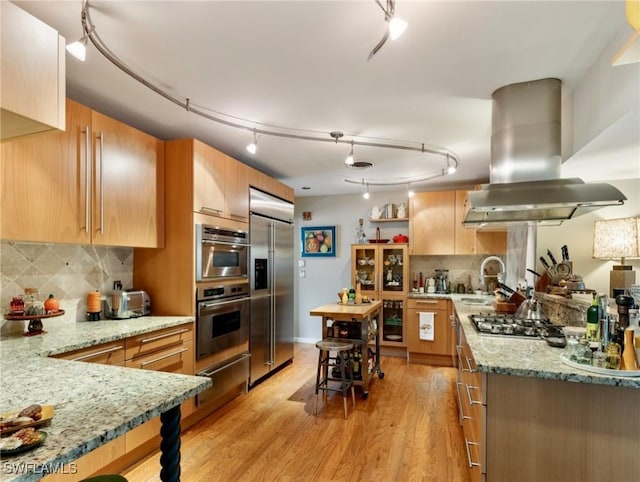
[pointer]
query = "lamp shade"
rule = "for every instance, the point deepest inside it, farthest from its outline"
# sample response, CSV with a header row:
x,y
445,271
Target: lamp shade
x,y
617,238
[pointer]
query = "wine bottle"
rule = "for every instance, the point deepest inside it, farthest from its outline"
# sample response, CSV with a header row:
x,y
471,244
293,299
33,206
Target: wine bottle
x,y
593,321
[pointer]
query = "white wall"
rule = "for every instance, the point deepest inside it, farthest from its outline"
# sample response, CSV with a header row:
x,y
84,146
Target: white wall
x,y
577,234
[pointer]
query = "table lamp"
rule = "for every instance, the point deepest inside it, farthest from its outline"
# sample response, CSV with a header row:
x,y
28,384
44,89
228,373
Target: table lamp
x,y
618,238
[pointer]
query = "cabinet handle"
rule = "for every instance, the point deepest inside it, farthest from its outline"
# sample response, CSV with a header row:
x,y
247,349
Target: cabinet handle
x,y
237,216
471,462
471,370
426,302
87,177
460,360
101,137
471,400
460,409
210,373
97,353
208,210
163,357
165,335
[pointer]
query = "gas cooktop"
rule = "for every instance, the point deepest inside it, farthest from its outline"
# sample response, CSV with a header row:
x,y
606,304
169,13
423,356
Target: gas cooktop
x,y
512,326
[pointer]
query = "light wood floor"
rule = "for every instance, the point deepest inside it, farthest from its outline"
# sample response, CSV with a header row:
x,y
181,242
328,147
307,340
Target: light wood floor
x,y
407,430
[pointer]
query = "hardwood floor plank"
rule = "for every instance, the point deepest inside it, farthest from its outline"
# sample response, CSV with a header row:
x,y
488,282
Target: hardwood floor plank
x,y
406,430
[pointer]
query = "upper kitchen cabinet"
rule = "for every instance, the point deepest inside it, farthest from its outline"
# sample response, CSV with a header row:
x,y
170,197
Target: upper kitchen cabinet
x,y
99,182
265,183
431,225
435,227
128,194
220,184
33,75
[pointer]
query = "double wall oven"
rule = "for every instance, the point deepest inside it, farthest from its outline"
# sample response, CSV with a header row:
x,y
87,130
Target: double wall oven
x,y
222,310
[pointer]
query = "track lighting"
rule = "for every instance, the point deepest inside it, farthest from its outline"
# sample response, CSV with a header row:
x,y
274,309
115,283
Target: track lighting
x,y
366,194
349,160
253,147
410,193
78,49
396,27
450,167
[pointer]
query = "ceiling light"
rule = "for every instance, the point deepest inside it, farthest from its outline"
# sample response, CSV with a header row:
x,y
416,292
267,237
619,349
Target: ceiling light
x,y
253,147
450,167
397,26
349,160
410,193
366,194
78,49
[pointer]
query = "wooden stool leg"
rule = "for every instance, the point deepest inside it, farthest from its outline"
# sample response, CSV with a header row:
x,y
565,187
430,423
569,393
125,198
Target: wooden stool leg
x,y
318,378
343,361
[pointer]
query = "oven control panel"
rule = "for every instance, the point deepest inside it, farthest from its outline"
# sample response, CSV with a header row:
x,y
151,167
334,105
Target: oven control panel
x,y
213,291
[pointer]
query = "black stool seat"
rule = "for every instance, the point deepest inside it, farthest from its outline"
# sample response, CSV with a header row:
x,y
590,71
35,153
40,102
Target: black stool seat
x,y
341,363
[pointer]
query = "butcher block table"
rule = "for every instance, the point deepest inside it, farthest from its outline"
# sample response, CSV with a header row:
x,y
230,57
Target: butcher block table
x,y
367,316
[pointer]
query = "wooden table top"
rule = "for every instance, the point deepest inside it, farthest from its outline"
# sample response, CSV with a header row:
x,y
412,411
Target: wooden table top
x,y
348,312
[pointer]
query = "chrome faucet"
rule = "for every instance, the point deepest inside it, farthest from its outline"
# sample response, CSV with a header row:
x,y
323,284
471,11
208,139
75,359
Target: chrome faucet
x,y
501,275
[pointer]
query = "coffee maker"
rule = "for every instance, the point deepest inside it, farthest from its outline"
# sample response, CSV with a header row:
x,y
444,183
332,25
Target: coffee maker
x,y
442,285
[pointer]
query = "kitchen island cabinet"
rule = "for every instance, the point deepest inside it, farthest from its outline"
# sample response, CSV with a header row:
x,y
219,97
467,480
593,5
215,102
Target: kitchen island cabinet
x,y
528,417
84,394
366,318
100,182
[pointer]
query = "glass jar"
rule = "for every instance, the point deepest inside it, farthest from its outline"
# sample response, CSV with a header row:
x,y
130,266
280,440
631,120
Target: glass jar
x,y
612,357
32,305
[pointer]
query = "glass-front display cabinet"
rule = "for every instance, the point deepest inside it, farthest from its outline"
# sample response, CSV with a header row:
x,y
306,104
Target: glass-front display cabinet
x,y
380,268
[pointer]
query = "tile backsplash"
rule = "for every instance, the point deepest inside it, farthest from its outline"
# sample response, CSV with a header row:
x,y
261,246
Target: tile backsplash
x,y
67,271
461,268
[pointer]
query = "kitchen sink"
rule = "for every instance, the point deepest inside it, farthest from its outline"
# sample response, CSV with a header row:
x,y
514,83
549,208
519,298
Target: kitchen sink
x,y
476,301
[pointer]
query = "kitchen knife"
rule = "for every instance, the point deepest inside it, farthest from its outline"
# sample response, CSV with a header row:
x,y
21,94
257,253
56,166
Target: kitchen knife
x,y
553,260
534,272
565,253
545,264
515,297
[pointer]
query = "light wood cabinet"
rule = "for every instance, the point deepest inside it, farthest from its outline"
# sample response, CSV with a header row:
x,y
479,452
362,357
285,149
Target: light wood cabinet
x,y
266,183
32,74
220,184
106,354
99,182
167,350
437,351
436,228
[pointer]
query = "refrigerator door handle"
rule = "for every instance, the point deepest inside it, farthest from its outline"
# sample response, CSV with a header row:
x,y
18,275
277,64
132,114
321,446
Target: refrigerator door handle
x,y
272,322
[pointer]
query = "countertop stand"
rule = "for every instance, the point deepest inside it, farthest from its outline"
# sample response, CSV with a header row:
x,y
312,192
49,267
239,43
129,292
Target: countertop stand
x,y
368,316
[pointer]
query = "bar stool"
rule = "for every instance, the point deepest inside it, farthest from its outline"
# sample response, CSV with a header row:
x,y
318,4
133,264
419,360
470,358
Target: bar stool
x,y
342,362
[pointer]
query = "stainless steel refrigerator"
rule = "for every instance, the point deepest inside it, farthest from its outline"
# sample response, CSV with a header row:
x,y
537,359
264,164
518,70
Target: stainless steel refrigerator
x,y
271,277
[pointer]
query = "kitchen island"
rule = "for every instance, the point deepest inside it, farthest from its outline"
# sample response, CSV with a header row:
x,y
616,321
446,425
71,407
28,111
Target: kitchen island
x,y
93,403
529,417
367,317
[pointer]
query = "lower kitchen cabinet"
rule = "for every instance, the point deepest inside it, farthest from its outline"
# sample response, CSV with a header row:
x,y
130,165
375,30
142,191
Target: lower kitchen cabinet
x,y
167,350
439,350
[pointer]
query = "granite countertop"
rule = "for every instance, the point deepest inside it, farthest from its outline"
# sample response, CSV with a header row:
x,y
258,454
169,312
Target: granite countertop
x,y
523,357
93,403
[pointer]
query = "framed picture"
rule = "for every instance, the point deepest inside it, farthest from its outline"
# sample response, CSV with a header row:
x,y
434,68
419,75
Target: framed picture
x,y
318,241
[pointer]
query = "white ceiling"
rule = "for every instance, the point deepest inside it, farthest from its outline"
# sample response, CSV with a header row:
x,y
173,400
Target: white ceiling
x,y
303,65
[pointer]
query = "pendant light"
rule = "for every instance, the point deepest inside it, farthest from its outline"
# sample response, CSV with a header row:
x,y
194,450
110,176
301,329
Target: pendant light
x,y
253,147
79,48
350,160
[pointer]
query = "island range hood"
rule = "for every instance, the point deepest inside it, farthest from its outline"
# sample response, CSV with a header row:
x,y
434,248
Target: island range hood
x,y
525,183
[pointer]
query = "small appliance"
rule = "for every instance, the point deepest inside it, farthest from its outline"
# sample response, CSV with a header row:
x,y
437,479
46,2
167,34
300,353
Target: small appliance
x,y
128,304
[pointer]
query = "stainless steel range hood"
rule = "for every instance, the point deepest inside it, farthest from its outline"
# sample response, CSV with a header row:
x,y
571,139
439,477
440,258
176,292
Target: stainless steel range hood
x,y
525,183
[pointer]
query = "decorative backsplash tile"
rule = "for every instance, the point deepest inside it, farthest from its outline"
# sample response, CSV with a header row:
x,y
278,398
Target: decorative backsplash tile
x,y
461,268
67,271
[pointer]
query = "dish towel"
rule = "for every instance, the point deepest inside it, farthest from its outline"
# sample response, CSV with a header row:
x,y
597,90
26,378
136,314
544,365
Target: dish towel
x,y
427,328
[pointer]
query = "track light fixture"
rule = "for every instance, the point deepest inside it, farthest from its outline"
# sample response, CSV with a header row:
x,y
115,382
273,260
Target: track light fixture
x,y
253,147
396,26
349,160
236,122
450,167
366,194
410,192
79,48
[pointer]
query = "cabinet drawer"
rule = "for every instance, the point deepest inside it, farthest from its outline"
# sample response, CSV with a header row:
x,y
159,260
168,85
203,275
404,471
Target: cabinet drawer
x,y
440,344
112,353
142,345
177,358
428,304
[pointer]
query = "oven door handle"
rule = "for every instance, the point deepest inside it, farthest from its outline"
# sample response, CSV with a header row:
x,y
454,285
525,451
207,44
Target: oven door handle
x,y
222,303
241,245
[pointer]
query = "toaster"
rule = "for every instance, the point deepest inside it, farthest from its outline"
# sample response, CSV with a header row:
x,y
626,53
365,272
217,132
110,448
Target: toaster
x,y
128,304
